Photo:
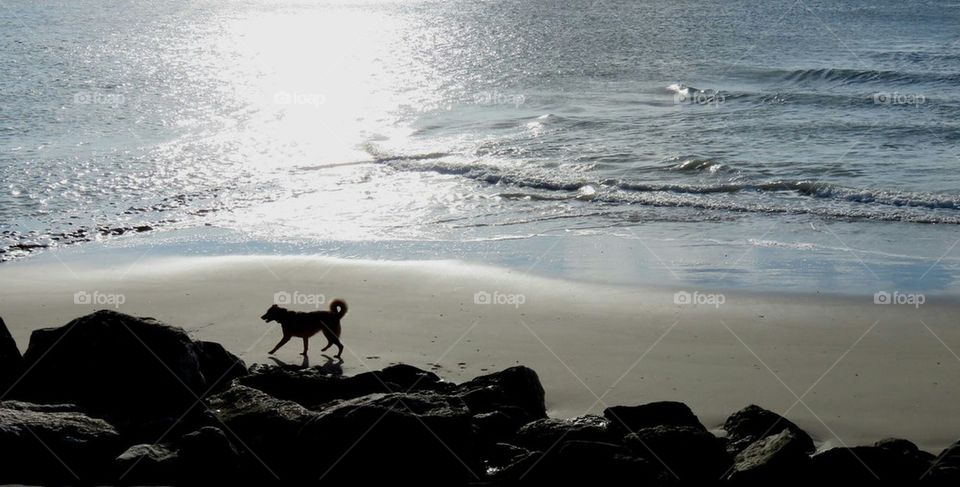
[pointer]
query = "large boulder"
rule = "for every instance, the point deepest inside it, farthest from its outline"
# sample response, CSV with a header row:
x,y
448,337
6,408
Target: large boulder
x,y
54,444
663,413
418,436
945,469
313,387
546,434
147,464
770,460
515,391
122,365
576,462
437,440
201,457
753,423
10,358
888,461
218,366
687,454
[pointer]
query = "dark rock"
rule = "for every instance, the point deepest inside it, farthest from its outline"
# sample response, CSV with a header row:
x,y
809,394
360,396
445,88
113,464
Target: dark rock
x,y
10,358
219,367
502,455
869,464
770,460
945,469
270,430
207,455
905,448
45,444
579,462
120,365
663,413
494,427
313,387
147,465
686,454
422,436
753,423
546,434
435,430
515,391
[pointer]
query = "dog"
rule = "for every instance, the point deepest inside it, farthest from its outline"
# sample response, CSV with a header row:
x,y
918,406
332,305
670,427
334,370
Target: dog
x,y
305,324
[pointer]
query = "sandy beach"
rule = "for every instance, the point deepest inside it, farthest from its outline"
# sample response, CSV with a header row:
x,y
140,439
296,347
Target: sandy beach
x,y
843,368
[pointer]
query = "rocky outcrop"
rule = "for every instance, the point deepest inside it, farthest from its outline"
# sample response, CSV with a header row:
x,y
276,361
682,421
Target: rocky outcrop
x,y
688,454
754,423
313,388
122,365
45,444
546,434
662,413
148,405
771,459
890,461
10,358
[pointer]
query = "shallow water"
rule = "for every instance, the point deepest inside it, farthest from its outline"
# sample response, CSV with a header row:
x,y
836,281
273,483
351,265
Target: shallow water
x,y
786,145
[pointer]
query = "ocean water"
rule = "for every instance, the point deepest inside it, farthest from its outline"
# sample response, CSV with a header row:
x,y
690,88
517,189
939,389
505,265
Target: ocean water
x,y
792,145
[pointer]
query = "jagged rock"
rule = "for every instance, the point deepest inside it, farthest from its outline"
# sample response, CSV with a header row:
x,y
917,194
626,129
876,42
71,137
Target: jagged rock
x,y
771,459
44,444
121,366
218,366
753,423
495,427
662,413
147,464
685,453
313,387
515,391
546,434
945,469
10,358
199,457
435,431
871,464
340,442
580,462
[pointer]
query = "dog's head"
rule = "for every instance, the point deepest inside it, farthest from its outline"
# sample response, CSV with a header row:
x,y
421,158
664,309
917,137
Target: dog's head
x,y
272,314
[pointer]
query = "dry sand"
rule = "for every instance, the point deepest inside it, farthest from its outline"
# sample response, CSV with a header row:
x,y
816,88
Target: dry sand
x,y
848,371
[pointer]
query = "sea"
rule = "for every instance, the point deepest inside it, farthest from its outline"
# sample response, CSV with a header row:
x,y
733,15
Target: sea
x,y
786,145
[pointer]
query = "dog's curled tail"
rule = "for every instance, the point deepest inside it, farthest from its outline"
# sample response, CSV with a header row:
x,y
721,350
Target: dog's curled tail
x,y
339,307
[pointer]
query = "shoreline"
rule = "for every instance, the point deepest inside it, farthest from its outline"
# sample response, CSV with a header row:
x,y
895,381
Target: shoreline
x,y
623,344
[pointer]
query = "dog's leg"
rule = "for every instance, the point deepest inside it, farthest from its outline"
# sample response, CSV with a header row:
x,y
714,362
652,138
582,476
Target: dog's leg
x,y
305,346
329,343
339,345
283,341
